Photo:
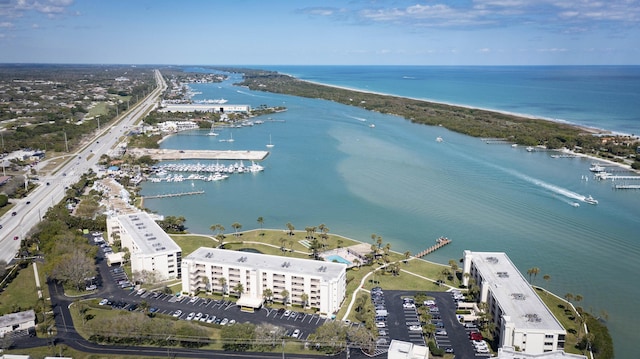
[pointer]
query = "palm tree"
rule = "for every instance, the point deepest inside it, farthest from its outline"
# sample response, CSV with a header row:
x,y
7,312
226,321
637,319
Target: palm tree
x,y
309,231
214,228
236,226
207,283
340,241
379,242
260,221
239,289
267,294
284,294
356,261
568,297
454,268
546,277
220,237
291,228
533,271
321,227
223,284
305,299
407,255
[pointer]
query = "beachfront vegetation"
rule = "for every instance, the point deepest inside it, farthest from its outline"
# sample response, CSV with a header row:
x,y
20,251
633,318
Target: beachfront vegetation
x,y
468,121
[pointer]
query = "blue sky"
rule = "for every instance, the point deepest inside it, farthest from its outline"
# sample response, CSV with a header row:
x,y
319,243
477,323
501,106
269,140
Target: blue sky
x,y
306,32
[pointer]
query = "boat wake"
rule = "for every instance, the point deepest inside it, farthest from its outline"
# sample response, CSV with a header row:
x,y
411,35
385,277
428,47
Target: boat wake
x,y
572,196
358,118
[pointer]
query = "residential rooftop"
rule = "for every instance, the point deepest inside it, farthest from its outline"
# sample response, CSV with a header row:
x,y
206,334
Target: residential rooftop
x,y
147,234
308,267
516,297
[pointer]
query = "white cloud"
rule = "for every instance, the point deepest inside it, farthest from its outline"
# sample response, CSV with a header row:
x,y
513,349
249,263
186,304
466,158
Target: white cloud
x,y
484,50
18,8
6,24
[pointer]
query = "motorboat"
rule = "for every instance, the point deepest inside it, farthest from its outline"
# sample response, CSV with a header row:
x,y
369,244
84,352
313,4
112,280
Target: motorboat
x,y
270,145
590,200
439,139
529,149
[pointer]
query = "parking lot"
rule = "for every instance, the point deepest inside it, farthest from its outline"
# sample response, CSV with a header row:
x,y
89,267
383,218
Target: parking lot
x,y
449,332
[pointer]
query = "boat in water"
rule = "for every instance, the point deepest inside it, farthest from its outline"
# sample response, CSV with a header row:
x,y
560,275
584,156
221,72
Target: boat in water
x,y
590,200
439,139
372,125
270,145
596,168
530,149
212,132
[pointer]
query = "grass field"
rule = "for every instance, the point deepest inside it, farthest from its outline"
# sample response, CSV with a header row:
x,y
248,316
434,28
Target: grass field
x,y
21,293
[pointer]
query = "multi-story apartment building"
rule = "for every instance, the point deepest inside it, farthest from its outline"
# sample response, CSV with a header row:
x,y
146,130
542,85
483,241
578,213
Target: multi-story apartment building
x,y
522,320
150,246
320,285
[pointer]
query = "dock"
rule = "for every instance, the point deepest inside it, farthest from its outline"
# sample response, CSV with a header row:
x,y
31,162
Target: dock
x,y
440,242
166,154
179,194
627,186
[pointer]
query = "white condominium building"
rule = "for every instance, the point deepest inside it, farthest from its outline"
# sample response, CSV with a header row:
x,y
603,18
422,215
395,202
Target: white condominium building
x,y
522,320
324,283
151,248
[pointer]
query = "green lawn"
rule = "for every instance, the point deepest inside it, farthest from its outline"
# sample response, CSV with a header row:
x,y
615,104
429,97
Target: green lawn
x,y
21,294
563,313
191,242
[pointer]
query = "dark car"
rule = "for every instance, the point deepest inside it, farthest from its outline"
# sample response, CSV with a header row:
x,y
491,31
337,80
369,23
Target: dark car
x,y
14,213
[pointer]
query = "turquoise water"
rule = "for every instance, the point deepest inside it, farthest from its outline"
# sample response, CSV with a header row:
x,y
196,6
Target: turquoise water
x,y
337,258
328,166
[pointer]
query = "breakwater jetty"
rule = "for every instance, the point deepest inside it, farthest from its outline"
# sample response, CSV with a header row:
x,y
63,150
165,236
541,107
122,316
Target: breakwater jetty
x,y
440,242
167,154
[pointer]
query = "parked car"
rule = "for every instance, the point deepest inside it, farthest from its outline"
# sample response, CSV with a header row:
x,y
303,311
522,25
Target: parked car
x,y
296,333
416,328
441,332
177,313
224,321
211,319
190,316
104,301
381,325
287,313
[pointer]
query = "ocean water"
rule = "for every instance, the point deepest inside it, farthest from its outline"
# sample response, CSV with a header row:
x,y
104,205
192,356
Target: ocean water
x,y
329,166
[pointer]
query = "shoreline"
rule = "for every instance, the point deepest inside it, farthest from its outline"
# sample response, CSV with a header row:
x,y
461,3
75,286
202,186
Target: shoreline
x,y
592,130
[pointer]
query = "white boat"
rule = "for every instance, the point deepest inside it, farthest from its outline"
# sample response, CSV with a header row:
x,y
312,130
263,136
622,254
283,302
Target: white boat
x,y
575,204
590,200
372,125
529,149
514,145
212,132
270,145
596,168
230,138
439,139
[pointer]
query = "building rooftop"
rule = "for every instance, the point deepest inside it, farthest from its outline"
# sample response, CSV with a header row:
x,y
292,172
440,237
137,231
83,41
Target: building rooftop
x,y
406,350
511,353
147,234
513,293
325,270
8,320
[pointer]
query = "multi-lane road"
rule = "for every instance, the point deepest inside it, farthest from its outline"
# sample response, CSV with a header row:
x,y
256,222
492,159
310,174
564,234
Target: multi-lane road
x,y
28,211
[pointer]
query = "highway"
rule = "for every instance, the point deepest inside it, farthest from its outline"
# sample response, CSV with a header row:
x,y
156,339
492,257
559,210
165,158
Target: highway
x,y
52,186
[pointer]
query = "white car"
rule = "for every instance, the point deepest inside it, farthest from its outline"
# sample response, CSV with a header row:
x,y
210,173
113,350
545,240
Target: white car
x,y
441,332
198,316
177,313
190,316
287,313
296,333
381,325
104,301
408,306
415,328
211,319
193,300
483,350
224,321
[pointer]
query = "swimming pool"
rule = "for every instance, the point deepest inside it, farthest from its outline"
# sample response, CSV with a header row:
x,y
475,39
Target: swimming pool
x,y
337,258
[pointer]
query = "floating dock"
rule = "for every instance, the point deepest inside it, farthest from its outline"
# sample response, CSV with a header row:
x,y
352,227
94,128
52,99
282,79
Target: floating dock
x,y
440,242
166,154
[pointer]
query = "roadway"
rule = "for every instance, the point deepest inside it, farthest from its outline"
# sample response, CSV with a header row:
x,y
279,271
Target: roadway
x,y
52,186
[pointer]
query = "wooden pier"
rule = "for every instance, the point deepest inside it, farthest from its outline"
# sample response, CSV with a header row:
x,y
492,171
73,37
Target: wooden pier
x,y
173,194
627,186
440,242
